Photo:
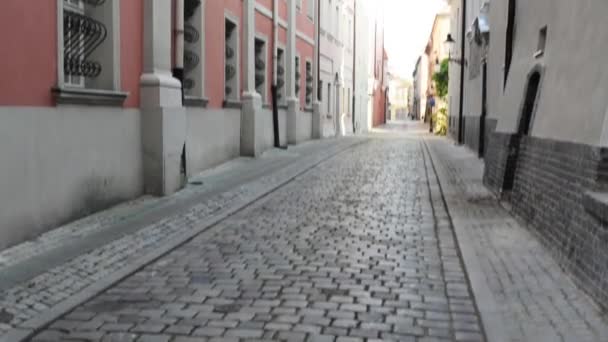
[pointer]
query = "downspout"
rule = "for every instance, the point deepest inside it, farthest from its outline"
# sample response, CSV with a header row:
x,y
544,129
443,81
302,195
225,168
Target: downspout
x,y
275,62
275,27
319,88
462,65
354,37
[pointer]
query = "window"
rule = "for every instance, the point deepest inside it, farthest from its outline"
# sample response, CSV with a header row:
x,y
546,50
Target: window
x,y
348,102
311,9
542,42
509,40
280,75
328,99
73,43
337,23
309,80
194,53
297,76
88,51
260,67
88,42
327,15
231,61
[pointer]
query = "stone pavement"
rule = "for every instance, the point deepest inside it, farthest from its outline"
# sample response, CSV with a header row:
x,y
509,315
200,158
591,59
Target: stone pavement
x,y
41,279
358,240
526,296
358,248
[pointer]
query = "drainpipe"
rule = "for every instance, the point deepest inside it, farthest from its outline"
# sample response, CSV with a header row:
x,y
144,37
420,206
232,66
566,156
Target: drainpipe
x,y
275,40
462,65
275,62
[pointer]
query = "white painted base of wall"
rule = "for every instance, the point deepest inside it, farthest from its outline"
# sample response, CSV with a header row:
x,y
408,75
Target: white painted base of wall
x,y
213,137
58,164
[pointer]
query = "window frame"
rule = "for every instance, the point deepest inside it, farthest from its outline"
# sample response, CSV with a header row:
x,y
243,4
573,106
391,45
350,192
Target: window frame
x,y
113,82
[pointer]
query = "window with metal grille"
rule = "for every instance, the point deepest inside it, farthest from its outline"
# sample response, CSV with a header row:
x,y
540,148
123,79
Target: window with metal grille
x,y
82,35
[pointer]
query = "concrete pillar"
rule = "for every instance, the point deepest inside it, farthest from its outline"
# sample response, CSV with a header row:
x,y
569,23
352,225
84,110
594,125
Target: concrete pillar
x,y
317,122
293,102
251,111
163,119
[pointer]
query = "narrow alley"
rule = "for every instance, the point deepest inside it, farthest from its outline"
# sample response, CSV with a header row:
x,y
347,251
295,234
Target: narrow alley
x,y
376,242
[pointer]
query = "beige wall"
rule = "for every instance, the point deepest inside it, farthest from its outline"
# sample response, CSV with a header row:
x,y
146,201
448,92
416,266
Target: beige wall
x,y
572,102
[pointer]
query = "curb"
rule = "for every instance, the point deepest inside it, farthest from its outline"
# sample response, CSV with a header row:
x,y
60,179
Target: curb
x,y
491,317
35,325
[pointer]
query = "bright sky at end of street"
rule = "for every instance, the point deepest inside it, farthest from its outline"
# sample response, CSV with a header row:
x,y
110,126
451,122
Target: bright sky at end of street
x,y
408,25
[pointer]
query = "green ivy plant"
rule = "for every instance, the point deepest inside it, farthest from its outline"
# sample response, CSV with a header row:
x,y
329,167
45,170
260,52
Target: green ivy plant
x,y
442,79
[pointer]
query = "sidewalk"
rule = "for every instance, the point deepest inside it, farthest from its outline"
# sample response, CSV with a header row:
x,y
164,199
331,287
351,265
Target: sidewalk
x,y
46,277
522,293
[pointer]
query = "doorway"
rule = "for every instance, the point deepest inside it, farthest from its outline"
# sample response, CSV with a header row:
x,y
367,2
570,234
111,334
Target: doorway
x,y
484,109
525,120
524,127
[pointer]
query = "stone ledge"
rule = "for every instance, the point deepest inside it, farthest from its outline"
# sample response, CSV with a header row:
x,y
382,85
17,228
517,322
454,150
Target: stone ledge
x,y
91,97
193,101
596,204
232,104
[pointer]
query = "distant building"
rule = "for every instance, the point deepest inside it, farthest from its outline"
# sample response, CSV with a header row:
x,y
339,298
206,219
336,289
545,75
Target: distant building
x,y
109,100
421,83
377,68
398,98
336,66
436,52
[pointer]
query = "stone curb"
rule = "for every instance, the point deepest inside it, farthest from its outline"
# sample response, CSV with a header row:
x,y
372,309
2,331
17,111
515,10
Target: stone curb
x,y
34,325
491,316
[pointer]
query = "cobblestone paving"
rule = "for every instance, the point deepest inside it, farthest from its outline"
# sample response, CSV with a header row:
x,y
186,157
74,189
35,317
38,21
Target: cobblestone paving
x,y
352,250
538,300
42,293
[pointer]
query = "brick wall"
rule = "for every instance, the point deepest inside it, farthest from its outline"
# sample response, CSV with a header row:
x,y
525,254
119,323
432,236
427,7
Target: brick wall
x,y
497,160
551,179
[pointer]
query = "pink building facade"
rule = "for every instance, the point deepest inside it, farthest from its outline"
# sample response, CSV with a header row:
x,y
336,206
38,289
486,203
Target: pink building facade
x,y
92,110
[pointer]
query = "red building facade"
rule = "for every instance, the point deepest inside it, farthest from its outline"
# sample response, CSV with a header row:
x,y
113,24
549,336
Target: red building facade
x,y
92,114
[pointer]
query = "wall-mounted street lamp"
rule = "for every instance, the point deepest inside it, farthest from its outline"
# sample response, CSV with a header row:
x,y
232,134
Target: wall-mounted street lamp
x,y
449,45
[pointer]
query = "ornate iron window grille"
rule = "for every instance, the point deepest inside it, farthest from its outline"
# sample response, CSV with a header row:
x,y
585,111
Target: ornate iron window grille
x,y
81,36
191,36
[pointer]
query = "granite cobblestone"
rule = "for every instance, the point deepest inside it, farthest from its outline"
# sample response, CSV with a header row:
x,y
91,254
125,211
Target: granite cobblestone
x,y
348,251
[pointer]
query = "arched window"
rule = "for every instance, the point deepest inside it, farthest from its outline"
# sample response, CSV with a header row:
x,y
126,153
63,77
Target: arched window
x,y
510,37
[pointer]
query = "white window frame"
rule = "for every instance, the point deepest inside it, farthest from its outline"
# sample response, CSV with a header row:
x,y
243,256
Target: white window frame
x,y
108,53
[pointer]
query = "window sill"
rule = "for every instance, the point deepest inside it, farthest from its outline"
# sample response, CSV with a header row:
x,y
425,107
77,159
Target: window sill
x,y
596,204
539,54
308,109
193,101
232,104
90,97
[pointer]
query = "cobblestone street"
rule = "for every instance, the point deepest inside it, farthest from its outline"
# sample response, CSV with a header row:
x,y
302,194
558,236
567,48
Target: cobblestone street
x,y
360,239
352,250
